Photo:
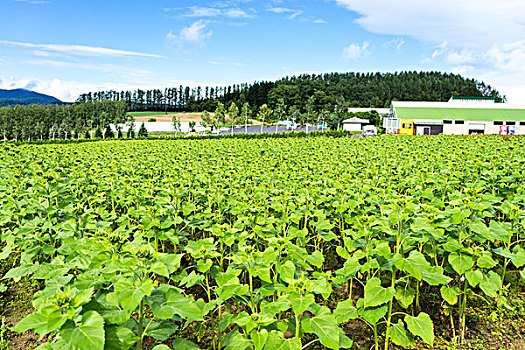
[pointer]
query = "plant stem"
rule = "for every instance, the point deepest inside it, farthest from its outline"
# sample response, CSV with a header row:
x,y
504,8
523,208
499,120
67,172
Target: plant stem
x,y
140,324
389,318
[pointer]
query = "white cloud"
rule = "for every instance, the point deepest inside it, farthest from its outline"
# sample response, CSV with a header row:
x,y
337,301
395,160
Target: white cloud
x,y
78,50
216,11
319,21
291,13
397,44
354,52
483,39
461,23
196,33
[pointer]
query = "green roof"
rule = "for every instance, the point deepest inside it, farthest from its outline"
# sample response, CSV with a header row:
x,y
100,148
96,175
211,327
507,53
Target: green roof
x,y
485,114
488,98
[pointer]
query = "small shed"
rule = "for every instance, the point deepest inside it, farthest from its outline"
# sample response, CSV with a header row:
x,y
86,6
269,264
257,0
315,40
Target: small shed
x,y
355,124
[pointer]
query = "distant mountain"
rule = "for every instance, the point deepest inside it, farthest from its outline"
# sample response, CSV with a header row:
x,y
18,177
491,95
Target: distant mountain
x,y
25,97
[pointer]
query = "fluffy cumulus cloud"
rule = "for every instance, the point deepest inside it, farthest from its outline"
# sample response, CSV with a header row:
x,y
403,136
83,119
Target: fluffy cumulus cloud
x,y
356,51
482,38
196,33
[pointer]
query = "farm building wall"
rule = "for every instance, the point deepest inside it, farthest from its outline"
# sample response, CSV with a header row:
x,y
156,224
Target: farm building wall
x,y
353,126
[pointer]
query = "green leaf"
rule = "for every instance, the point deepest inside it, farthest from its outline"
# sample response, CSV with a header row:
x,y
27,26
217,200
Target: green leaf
x,y
345,311
405,296
119,338
344,341
43,321
400,335
460,262
176,303
375,294
434,276
474,277
277,342
161,330
486,262
300,302
518,259
287,271
86,335
21,271
3,288
499,232
183,344
160,347
450,294
421,326
259,338
414,265
372,314
491,284
316,259
325,327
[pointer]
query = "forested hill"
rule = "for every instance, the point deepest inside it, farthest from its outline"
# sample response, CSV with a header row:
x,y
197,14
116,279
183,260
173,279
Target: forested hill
x,y
25,97
328,90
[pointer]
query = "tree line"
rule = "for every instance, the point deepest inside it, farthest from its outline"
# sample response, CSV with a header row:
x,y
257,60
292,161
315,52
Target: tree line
x,y
44,122
376,90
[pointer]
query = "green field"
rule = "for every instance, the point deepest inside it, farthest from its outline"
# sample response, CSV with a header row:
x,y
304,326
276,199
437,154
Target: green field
x,y
292,243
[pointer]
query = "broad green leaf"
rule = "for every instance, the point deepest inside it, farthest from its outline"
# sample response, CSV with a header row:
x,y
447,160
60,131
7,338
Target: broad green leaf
x,y
491,284
344,341
325,327
450,294
405,296
21,271
372,314
518,259
287,271
183,344
176,303
237,341
316,259
461,262
500,231
434,276
259,338
486,262
161,347
161,330
86,335
375,294
474,277
480,228
119,338
345,311
414,264
421,326
48,319
300,302
277,342
400,335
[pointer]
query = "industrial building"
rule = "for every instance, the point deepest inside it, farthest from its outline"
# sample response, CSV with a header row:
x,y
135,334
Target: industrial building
x,y
459,116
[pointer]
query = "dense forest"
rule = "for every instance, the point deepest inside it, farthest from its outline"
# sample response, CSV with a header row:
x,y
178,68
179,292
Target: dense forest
x,y
329,90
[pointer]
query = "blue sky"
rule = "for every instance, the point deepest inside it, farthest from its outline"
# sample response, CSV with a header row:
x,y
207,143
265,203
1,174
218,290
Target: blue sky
x,y
64,48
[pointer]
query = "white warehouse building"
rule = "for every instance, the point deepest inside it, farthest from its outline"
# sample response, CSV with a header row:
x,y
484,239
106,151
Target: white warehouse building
x,y
459,116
